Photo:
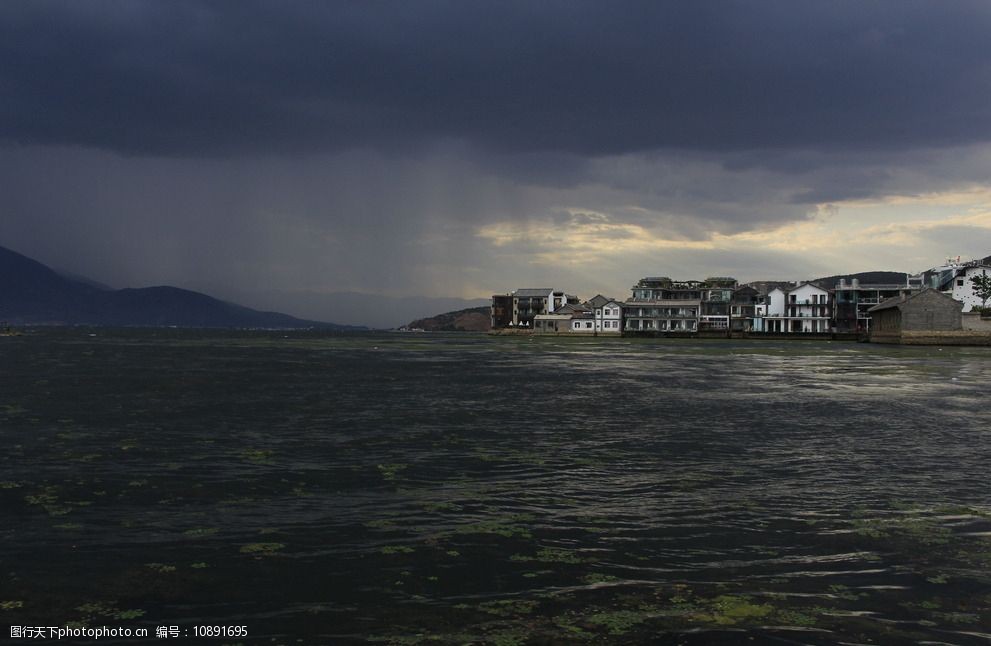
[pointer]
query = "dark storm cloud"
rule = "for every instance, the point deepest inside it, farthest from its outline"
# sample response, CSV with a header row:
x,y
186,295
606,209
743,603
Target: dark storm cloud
x,y
587,79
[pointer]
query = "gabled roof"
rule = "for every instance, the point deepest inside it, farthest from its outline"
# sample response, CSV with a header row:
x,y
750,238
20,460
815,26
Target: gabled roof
x,y
809,284
526,292
571,308
899,301
598,300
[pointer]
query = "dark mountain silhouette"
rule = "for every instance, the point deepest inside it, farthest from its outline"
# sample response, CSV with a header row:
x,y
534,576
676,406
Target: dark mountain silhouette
x,y
865,277
33,294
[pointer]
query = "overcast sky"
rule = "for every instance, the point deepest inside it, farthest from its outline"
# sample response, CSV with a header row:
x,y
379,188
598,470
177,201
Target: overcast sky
x,y
277,152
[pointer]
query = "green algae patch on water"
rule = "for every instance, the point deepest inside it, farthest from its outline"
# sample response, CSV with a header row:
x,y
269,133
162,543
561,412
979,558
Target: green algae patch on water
x,y
617,622
390,472
730,610
257,455
551,555
499,528
262,549
509,607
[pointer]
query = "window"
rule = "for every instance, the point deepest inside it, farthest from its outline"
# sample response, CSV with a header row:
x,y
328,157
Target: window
x,y
588,324
960,282
577,325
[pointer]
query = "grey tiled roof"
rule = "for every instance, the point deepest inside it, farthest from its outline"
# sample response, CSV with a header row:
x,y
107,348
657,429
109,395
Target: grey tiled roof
x,y
533,291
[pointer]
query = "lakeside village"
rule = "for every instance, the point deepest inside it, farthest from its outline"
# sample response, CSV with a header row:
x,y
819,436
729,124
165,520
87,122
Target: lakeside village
x,y
945,305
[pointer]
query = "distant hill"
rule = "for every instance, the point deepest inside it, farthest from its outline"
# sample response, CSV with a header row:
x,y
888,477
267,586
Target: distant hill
x,y
473,319
33,294
875,277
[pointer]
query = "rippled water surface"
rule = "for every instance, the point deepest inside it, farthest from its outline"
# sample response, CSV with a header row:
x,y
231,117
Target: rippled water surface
x,y
467,489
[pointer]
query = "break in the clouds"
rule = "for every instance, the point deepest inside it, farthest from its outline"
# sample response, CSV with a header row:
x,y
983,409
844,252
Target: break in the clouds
x,y
457,148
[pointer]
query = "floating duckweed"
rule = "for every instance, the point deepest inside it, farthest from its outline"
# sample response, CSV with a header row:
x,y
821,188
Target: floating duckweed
x,y
390,471
795,618
128,614
495,527
107,609
261,549
573,631
550,555
256,455
508,607
617,622
160,567
201,531
68,526
199,566
508,638
11,605
397,549
728,609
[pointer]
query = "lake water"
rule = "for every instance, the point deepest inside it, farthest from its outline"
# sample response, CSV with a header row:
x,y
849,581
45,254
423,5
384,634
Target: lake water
x,y
467,489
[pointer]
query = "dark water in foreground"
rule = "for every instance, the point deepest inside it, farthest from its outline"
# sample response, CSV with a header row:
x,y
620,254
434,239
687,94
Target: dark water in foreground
x,y
456,489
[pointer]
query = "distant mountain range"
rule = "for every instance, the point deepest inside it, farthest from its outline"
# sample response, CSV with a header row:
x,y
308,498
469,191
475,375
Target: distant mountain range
x,y
34,294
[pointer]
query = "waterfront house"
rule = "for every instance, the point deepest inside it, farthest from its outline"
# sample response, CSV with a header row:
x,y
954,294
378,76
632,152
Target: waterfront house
x,y
552,323
927,311
607,314
804,309
518,308
743,308
659,304
714,312
962,289
501,311
954,279
852,300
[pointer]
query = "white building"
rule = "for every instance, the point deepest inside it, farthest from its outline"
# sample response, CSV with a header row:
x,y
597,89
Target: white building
x,y
962,289
607,314
803,309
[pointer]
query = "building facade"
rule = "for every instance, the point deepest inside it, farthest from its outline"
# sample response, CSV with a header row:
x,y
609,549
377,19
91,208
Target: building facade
x,y
519,308
659,304
852,300
927,311
804,309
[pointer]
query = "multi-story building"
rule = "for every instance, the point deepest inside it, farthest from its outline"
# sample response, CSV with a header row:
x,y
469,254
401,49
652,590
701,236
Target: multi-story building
x,y
962,286
715,311
659,304
805,308
518,308
743,308
852,300
955,280
607,314
501,311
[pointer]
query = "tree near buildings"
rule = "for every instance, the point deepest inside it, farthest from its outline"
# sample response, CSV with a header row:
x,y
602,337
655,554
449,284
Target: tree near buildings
x,y
982,288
